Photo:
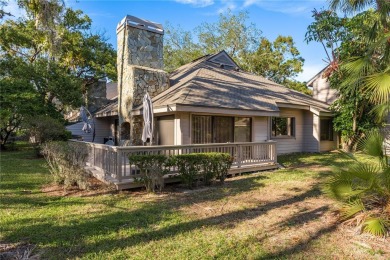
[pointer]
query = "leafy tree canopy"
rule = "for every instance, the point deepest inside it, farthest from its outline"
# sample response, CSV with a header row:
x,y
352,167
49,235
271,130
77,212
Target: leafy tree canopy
x,y
48,60
279,61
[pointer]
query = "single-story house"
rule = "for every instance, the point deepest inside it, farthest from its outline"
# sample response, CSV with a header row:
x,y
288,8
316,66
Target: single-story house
x,y
209,100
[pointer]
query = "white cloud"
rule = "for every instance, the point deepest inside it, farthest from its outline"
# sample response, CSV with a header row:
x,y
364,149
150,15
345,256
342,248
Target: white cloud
x,y
309,71
227,5
197,3
284,6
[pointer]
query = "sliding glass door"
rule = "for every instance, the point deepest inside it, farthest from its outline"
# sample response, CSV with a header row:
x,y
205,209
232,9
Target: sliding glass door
x,y
223,129
220,129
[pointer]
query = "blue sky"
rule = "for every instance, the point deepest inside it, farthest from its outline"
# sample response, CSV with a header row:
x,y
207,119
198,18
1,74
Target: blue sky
x,y
273,17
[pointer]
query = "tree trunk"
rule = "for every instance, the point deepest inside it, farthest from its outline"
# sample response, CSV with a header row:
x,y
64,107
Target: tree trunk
x,y
3,140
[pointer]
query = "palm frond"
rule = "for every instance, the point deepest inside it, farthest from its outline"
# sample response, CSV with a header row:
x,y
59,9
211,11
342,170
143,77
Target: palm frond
x,y
357,66
363,171
372,144
355,69
350,6
375,226
340,187
378,84
381,112
351,208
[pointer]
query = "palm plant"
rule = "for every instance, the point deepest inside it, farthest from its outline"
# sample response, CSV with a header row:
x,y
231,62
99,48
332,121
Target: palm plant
x,y
363,188
372,70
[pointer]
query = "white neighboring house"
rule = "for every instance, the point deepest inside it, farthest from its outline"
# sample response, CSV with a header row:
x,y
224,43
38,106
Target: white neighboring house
x,y
321,88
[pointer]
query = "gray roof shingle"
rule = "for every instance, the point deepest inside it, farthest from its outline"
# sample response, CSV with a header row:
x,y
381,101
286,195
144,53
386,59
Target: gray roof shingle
x,y
207,84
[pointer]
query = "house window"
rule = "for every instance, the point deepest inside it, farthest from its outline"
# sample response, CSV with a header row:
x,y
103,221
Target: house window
x,y
283,126
242,129
220,129
223,130
326,130
201,129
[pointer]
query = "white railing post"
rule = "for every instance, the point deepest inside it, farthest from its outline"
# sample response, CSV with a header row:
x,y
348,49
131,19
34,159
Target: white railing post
x,y
119,165
239,155
93,156
275,155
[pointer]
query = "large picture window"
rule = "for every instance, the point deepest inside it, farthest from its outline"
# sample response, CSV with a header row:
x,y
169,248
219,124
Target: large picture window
x,y
283,126
326,130
220,129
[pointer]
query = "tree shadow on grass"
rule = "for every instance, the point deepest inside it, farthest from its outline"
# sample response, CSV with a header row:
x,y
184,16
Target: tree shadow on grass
x,y
125,228
331,159
302,245
304,217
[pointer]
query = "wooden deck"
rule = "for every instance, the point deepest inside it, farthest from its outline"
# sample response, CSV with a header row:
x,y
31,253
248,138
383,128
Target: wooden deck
x,y
111,164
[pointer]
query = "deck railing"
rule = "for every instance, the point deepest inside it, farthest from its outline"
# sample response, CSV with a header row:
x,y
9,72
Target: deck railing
x,y
114,163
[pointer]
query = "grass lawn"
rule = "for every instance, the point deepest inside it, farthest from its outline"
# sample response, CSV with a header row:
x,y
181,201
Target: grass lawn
x,y
278,214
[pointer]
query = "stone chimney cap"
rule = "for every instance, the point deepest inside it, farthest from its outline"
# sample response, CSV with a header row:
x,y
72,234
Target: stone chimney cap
x,y
140,24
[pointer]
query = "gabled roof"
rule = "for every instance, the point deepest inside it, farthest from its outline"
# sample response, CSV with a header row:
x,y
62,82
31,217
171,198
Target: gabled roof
x,y
207,83
311,81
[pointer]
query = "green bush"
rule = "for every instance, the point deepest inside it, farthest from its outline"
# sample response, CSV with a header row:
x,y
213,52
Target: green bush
x,y
209,166
205,167
66,161
189,166
153,167
42,129
216,165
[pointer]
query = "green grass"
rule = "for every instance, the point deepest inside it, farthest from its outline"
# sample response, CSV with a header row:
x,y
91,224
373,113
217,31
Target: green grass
x,y
239,220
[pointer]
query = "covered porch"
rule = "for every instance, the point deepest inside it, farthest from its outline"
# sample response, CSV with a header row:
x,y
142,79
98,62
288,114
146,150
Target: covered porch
x,y
111,164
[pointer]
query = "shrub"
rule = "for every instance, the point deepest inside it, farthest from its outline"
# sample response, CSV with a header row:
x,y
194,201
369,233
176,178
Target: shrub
x,y
216,165
43,129
66,163
210,165
189,166
153,167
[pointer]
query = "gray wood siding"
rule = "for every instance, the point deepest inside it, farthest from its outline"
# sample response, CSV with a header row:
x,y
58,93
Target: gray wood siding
x,y
291,144
260,129
310,132
307,134
182,128
103,129
322,90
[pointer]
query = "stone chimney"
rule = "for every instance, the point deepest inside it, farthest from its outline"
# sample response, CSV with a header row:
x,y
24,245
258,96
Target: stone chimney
x,y
96,96
140,70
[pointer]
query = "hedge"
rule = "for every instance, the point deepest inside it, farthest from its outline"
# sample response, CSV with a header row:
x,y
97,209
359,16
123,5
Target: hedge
x,y
192,168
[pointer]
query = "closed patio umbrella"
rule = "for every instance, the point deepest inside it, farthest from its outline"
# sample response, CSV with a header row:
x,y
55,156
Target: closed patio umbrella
x,y
147,132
